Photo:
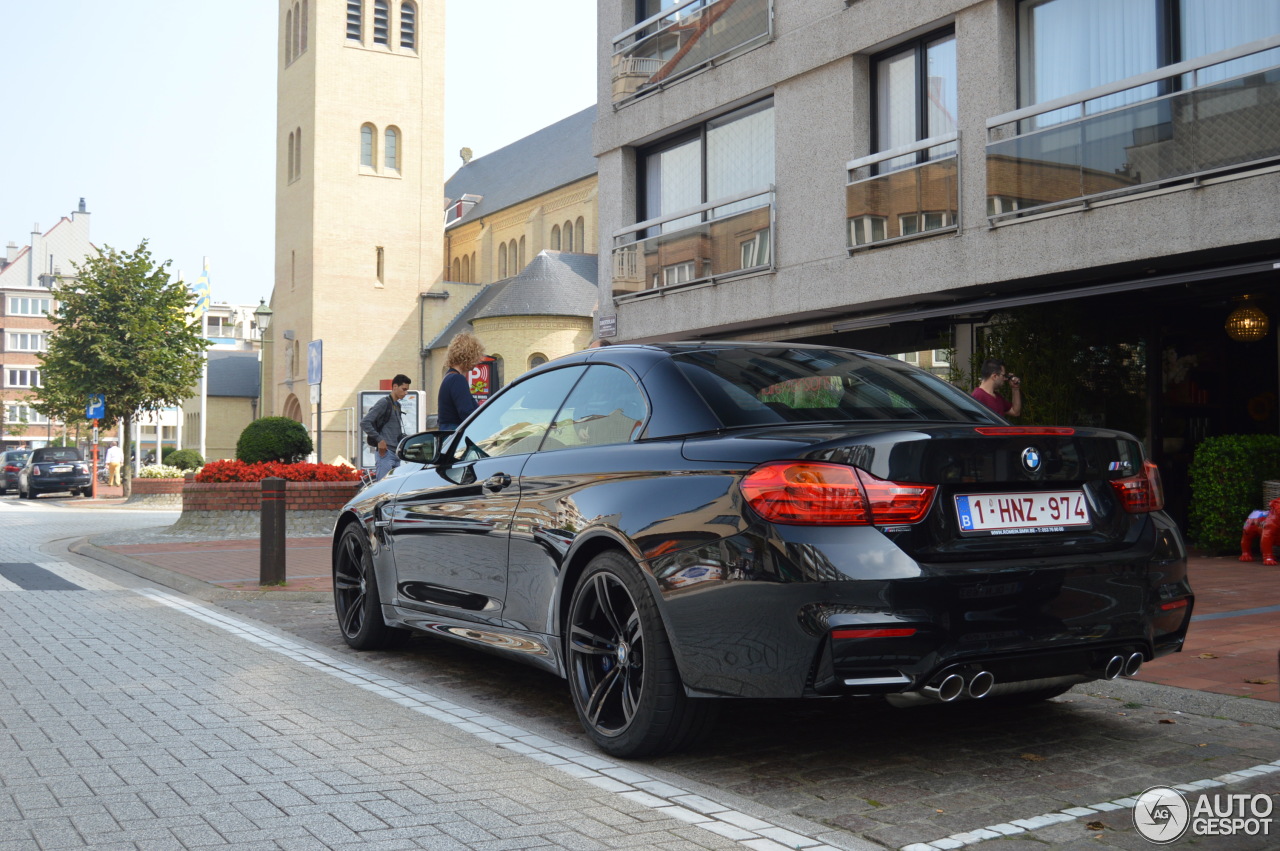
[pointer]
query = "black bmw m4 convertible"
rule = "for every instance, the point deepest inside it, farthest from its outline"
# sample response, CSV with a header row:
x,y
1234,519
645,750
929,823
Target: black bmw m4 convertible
x,y
669,525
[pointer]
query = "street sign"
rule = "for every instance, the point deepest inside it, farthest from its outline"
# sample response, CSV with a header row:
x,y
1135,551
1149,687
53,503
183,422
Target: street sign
x,y
97,407
315,394
315,361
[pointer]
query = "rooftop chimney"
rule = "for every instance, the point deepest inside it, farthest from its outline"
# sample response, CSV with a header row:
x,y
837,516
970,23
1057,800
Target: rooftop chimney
x,y
82,209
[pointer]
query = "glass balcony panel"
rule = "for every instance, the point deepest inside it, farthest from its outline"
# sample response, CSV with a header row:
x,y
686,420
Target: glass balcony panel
x,y
708,249
687,38
901,203
1214,127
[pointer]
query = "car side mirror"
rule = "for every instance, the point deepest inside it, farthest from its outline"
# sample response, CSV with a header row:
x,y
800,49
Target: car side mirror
x,y
423,448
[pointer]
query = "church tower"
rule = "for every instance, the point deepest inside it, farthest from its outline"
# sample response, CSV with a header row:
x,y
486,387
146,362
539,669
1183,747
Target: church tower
x,y
359,227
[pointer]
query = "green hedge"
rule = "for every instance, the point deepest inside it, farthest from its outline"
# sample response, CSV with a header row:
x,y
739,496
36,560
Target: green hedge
x,y
184,459
273,439
1226,484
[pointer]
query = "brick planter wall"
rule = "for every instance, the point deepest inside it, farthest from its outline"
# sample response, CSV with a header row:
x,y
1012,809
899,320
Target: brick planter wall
x,y
156,493
235,508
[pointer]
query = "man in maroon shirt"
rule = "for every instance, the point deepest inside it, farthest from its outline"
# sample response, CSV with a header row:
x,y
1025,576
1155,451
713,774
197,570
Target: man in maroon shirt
x,y
994,376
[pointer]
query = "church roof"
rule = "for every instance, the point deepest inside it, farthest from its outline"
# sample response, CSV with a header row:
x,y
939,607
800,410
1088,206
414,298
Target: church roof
x,y
554,156
555,283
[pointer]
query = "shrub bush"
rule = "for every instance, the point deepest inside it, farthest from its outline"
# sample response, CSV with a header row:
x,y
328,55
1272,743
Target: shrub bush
x,y
273,439
238,471
160,471
184,459
1227,473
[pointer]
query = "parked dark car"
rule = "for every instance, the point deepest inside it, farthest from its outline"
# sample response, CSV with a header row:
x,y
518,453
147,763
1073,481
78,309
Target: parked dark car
x,y
52,469
11,462
667,524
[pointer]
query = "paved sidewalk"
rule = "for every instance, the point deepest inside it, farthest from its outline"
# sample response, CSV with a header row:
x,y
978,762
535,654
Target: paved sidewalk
x,y
1232,648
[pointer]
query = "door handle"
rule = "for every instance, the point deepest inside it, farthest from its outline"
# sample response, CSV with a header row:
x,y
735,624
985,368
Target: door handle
x,y
497,482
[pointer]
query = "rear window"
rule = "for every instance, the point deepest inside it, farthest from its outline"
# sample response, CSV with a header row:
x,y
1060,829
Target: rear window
x,y
765,386
62,453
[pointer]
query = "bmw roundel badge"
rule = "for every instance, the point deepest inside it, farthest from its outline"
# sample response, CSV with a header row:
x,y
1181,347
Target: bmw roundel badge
x,y
1031,459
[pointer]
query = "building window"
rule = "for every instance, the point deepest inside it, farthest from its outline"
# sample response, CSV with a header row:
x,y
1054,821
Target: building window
x,y
466,270
306,13
355,20
555,238
366,146
568,236
912,223
381,22
537,360
457,270
26,342
289,173
297,155
864,230
582,235
513,259
678,273
1068,46
380,263
755,251
25,306
16,413
293,269
408,26
288,37
391,149
915,94
727,156
502,261
909,357
522,261
22,378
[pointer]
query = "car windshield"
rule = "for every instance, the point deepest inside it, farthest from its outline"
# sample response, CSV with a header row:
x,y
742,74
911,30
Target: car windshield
x,y
68,453
770,385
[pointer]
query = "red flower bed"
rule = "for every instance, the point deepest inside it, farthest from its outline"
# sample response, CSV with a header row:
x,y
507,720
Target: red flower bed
x,y
239,471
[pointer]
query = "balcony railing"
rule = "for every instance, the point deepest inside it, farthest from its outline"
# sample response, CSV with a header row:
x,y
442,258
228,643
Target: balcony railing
x,y
683,38
1197,118
727,237
917,198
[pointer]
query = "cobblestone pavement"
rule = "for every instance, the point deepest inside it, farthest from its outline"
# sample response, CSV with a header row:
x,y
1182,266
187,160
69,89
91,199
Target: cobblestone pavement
x,y
134,717
1060,774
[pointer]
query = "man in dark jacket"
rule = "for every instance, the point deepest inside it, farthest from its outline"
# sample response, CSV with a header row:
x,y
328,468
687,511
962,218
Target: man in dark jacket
x,y
383,426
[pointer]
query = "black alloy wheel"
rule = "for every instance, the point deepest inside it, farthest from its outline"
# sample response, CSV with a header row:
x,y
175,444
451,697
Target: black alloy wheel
x,y
356,598
622,672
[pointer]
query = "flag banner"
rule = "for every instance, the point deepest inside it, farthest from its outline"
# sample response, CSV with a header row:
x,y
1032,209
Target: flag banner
x,y
201,291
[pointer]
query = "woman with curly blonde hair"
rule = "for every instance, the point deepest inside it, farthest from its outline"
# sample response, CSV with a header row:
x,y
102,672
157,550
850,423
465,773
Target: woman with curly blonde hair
x,y
455,402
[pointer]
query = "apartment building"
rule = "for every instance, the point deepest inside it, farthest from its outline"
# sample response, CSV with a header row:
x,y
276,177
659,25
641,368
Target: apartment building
x,y
896,176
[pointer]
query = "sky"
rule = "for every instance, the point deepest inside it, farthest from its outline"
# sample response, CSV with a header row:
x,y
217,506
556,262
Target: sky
x,y
161,115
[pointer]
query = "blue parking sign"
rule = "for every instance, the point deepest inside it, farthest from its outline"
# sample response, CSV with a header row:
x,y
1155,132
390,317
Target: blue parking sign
x,y
97,407
315,361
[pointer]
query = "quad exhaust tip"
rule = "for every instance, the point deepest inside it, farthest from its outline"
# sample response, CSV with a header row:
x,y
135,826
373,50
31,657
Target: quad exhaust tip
x,y
1132,664
1114,668
946,689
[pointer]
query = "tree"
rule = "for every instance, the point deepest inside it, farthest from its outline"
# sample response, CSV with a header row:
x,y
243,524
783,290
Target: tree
x,y
122,329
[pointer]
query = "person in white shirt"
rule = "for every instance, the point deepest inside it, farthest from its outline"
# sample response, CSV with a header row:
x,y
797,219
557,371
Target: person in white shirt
x,y
115,457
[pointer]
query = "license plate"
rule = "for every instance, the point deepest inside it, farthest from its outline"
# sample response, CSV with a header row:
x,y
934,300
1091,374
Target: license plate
x,y
61,468
1022,513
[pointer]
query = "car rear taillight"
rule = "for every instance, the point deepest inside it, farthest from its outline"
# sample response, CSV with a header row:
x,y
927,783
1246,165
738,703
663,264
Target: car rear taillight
x,y
817,494
35,470
1142,493
1025,431
873,632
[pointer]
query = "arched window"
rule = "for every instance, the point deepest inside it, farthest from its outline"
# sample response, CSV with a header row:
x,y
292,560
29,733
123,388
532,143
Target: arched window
x,y
355,20
380,263
502,261
475,268
457,270
366,145
511,258
297,30
391,149
537,359
555,238
408,26
466,270
306,14
568,236
297,153
582,236
522,252
288,37
289,174
381,21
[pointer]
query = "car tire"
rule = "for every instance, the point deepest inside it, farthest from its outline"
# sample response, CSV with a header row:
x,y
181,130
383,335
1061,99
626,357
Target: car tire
x,y
355,596
621,668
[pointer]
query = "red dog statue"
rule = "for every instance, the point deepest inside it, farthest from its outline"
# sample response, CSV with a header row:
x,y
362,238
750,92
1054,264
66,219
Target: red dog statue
x,y
1264,524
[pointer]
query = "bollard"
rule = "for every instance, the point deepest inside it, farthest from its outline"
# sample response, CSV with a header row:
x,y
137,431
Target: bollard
x,y
271,564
